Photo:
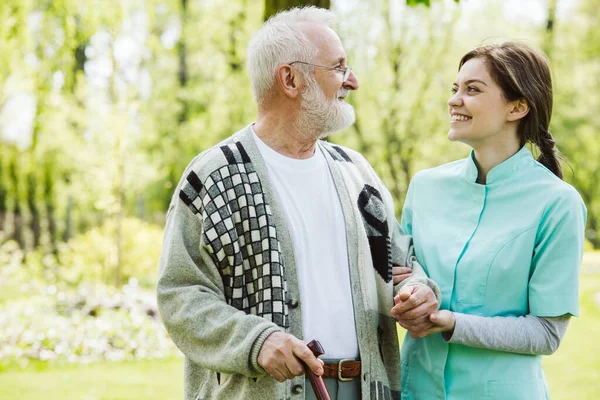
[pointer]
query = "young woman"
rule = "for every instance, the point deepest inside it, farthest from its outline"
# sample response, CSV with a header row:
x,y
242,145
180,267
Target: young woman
x,y
501,234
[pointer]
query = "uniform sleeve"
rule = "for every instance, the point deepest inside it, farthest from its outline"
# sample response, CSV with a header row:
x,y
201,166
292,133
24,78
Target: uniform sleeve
x,y
554,277
526,334
192,305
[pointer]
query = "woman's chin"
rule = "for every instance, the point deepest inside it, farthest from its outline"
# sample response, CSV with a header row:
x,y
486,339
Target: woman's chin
x,y
453,135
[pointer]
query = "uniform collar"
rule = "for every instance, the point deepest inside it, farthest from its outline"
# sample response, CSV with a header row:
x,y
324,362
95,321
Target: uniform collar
x,y
502,171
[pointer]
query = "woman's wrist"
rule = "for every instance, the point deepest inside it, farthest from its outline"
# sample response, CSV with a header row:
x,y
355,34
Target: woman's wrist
x,y
449,329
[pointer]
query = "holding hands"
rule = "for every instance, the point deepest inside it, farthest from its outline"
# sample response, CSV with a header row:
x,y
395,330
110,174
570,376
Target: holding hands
x,y
416,308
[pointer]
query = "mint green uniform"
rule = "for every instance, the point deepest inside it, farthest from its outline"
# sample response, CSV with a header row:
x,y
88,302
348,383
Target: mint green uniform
x,y
508,248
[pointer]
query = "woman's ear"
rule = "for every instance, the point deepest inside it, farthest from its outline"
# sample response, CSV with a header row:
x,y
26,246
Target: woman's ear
x,y
289,80
520,108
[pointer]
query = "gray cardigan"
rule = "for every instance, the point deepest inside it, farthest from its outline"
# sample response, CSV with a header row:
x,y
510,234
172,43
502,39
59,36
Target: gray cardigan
x,y
228,278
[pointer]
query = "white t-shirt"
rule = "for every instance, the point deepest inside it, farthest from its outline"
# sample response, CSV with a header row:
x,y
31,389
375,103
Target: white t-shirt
x,y
312,209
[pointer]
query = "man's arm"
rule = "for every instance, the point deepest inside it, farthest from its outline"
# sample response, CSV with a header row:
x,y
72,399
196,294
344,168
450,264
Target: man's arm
x,y
206,329
192,303
404,259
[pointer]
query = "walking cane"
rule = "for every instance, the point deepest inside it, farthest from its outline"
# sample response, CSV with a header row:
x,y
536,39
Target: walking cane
x,y
315,380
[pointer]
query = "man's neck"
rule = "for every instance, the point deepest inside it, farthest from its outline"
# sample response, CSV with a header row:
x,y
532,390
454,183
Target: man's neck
x,y
283,136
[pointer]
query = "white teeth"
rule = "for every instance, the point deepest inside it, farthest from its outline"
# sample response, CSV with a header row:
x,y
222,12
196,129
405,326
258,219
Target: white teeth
x,y
457,117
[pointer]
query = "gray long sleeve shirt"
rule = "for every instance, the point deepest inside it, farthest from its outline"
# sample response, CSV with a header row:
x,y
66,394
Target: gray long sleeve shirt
x,y
526,334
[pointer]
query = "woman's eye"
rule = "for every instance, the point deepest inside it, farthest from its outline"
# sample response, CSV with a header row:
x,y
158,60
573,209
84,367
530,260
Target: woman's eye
x,y
454,90
472,89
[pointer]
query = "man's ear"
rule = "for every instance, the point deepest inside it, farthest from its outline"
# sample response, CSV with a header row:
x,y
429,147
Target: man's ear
x,y
289,80
520,108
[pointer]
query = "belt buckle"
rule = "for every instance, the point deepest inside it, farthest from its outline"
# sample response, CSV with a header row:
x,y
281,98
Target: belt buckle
x,y
339,371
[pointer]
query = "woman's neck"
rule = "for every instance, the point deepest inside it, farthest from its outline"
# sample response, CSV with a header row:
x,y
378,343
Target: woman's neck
x,y
488,156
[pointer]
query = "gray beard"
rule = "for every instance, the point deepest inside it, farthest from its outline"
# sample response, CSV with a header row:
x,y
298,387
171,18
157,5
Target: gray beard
x,y
321,116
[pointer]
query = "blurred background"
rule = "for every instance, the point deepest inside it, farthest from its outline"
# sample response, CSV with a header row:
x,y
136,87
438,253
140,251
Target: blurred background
x,y
104,102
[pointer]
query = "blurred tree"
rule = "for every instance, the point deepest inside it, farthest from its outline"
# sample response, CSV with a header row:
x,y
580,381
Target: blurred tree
x,y
399,107
273,6
576,123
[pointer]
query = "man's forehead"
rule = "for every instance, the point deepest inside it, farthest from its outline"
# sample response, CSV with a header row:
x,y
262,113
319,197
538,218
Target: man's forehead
x,y
326,40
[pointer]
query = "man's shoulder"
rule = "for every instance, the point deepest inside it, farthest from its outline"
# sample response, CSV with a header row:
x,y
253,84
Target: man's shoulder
x,y
343,153
227,152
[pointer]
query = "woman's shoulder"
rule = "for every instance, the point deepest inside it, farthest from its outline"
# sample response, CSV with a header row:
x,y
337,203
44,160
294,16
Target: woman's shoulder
x,y
444,171
547,182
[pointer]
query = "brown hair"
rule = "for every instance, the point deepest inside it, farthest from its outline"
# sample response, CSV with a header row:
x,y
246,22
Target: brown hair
x,y
523,73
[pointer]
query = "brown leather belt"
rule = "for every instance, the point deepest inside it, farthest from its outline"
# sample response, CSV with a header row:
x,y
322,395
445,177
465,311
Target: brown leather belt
x,y
344,370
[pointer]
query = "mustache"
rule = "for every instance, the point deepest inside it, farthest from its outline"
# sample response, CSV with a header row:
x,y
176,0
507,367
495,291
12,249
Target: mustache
x,y
342,93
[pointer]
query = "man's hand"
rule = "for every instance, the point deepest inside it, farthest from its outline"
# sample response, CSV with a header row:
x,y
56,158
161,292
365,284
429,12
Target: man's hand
x,y
414,304
399,274
280,356
442,321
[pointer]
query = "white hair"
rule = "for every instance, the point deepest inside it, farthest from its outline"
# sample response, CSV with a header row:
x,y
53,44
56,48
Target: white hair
x,y
279,41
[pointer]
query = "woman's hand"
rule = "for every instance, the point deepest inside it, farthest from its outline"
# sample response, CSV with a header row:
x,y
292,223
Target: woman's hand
x,y
442,321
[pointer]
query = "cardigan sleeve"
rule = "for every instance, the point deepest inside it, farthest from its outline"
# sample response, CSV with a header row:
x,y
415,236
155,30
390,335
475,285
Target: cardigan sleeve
x,y
403,255
192,305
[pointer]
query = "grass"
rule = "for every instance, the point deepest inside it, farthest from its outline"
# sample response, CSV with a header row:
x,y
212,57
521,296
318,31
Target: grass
x,y
148,380
573,372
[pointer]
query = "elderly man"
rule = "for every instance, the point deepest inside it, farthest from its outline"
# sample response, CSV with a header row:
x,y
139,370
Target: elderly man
x,y
274,238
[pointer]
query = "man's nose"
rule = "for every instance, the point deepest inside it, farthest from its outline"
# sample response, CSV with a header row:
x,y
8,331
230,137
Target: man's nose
x,y
351,83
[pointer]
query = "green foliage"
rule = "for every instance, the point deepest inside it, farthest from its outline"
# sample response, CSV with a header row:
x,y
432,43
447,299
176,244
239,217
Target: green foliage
x,y
47,318
113,133
93,323
426,3
86,259
92,257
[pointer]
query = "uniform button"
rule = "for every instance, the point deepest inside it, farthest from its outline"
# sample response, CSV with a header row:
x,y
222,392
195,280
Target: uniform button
x,y
297,389
292,303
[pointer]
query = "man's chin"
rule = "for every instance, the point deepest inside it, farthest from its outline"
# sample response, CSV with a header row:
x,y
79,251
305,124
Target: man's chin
x,y
340,127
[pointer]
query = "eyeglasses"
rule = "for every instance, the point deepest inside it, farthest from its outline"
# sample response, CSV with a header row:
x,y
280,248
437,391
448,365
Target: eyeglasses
x,y
344,70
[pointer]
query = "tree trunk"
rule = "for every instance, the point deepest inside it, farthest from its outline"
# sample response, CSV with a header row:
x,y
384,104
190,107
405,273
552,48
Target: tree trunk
x,y
549,33
3,193
120,195
17,231
184,113
593,236
50,206
33,209
274,6
183,66
68,233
